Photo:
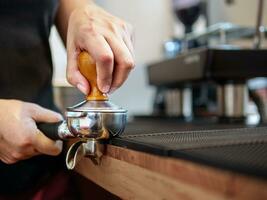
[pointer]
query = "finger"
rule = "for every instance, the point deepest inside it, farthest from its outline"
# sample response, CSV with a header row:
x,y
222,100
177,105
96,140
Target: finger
x,y
129,44
5,159
124,62
14,153
24,154
74,76
4,155
44,145
99,49
31,154
128,39
40,114
119,77
8,161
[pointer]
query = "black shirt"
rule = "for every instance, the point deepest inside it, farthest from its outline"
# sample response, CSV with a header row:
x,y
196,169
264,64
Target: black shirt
x,y
26,74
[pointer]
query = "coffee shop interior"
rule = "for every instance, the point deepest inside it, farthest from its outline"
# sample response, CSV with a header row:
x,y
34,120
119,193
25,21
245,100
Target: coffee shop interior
x,y
196,104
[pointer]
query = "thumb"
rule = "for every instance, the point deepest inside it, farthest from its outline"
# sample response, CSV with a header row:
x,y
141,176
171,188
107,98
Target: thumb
x,y
44,145
40,114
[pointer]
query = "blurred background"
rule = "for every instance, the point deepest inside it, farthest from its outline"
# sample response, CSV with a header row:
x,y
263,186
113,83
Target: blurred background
x,y
160,31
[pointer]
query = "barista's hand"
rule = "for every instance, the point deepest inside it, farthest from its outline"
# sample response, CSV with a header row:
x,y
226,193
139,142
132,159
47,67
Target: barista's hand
x,y
108,39
19,137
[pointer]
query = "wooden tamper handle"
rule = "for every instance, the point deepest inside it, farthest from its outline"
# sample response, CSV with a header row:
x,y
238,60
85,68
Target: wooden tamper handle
x,y
87,67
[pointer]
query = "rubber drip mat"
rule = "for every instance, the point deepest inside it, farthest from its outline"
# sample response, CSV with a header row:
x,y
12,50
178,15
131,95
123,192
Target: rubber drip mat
x,y
242,149
148,126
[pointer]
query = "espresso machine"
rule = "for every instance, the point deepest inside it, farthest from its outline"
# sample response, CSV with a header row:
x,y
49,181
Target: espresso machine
x,y
214,75
226,69
202,93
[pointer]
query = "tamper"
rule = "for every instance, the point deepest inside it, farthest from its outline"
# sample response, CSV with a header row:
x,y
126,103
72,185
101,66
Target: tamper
x,y
92,121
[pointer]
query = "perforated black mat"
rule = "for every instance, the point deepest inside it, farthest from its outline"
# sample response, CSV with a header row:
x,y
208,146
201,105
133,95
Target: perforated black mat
x,y
241,149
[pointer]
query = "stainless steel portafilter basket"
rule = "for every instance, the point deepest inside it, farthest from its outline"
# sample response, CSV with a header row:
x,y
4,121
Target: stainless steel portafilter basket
x,y
92,121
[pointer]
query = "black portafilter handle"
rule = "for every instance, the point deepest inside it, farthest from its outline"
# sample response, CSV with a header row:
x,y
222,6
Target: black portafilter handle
x,y
50,130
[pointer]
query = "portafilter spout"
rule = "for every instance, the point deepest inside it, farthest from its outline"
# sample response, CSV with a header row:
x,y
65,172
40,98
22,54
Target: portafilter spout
x,y
92,120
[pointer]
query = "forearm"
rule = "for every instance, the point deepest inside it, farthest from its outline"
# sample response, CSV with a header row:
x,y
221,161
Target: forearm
x,y
64,11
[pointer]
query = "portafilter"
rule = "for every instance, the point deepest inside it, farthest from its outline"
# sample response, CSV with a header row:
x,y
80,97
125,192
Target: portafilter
x,y
92,121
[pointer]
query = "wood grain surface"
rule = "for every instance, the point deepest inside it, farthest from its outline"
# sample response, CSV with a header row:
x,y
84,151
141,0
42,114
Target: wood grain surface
x,y
136,175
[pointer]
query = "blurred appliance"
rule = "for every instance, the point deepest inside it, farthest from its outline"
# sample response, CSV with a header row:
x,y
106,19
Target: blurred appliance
x,y
187,11
216,70
227,69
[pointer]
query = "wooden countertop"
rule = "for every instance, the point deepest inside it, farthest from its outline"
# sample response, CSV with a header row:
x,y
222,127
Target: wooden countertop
x,y
136,175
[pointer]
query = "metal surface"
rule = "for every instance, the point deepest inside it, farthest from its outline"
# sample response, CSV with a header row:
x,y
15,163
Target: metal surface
x,y
187,102
174,102
219,64
96,106
185,67
97,125
94,150
232,100
64,132
259,33
74,154
178,102
89,148
90,121
223,29
93,125
93,119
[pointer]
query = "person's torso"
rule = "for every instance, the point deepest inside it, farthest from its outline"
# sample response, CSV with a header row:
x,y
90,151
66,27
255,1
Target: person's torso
x,y
26,67
25,74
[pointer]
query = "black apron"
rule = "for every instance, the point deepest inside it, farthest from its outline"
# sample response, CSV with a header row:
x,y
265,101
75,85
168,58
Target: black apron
x,y
26,74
